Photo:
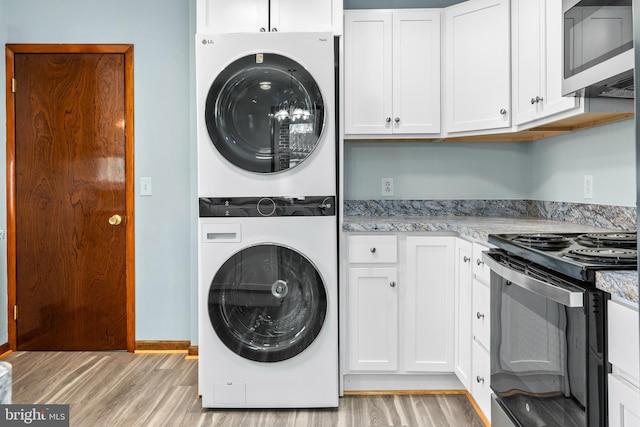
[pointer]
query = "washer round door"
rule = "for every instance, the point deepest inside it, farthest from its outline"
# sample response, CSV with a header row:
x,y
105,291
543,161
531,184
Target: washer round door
x,y
267,303
265,113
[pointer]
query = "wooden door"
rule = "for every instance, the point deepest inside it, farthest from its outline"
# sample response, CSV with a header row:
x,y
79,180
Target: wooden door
x,y
71,200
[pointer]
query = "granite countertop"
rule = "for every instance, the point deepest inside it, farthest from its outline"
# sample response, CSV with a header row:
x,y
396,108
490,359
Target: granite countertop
x,y
623,284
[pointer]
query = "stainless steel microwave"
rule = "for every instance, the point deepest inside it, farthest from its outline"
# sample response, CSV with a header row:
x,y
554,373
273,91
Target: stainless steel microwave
x,y
598,48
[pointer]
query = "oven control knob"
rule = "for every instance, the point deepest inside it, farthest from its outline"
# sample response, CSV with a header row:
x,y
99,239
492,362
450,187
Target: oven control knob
x,y
266,206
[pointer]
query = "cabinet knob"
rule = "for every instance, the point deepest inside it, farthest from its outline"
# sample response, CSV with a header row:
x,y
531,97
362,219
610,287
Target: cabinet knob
x,y
263,30
539,99
397,119
372,250
533,101
480,315
503,111
480,379
466,259
392,284
274,30
388,120
479,261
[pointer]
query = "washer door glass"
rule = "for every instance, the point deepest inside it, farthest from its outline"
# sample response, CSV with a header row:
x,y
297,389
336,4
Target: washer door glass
x,y
265,113
267,303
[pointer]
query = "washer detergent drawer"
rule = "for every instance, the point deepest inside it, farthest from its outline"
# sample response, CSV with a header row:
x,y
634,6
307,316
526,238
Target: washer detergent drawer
x,y
221,233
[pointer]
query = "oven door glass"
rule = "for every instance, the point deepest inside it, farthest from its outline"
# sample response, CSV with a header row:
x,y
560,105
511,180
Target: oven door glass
x,y
265,113
538,356
267,303
595,31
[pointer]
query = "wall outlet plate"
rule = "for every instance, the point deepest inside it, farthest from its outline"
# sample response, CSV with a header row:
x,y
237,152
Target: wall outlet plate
x,y
387,186
588,186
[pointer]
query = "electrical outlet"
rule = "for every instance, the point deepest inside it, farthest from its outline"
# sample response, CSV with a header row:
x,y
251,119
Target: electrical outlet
x,y
588,186
145,186
387,186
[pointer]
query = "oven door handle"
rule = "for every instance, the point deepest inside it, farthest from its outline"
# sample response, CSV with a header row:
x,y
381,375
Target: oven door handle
x,y
561,295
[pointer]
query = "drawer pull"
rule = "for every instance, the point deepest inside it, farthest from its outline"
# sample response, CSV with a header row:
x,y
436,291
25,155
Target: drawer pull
x,y
392,284
466,259
480,379
480,315
479,261
372,250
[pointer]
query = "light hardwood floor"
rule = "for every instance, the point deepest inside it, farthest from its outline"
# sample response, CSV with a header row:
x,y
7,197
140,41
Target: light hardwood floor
x,y
124,389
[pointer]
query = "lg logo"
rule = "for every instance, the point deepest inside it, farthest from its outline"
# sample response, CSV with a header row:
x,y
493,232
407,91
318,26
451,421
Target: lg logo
x,y
205,41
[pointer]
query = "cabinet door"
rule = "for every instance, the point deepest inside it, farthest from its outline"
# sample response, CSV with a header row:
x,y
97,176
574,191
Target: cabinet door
x,y
416,72
427,305
463,337
368,68
477,64
301,15
223,16
480,383
373,319
528,58
624,404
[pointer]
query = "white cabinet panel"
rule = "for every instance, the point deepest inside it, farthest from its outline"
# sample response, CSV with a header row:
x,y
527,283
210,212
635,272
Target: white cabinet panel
x,y
477,64
624,404
623,331
480,269
480,383
372,319
427,305
373,249
480,316
463,307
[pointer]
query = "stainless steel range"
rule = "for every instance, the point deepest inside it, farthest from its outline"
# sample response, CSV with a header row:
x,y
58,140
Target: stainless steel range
x,y
548,323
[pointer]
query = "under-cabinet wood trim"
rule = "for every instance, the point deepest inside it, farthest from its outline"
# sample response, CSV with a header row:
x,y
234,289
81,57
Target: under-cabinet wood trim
x,y
5,350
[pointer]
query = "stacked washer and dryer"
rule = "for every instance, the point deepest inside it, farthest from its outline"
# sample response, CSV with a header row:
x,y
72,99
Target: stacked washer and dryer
x,y
267,244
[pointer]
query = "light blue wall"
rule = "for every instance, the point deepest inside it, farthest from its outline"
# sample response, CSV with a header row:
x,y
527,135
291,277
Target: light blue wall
x,y
162,37
4,334
437,170
550,169
558,165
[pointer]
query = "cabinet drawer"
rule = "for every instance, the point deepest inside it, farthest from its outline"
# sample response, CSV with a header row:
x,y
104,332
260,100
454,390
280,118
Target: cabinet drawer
x,y
373,249
623,338
480,269
481,375
480,316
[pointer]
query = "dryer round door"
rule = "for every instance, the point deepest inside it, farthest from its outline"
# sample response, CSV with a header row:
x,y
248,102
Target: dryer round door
x,y
267,303
264,113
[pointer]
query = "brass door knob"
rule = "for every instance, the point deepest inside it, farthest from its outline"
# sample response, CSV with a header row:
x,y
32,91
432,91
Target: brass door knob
x,y
115,219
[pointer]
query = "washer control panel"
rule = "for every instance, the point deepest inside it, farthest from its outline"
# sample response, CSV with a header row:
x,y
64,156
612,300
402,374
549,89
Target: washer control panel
x,y
267,206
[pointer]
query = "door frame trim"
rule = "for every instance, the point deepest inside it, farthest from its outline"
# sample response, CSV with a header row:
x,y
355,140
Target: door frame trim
x,y
127,51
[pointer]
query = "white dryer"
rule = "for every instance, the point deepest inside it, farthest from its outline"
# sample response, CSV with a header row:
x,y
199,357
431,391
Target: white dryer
x,y
268,322
265,114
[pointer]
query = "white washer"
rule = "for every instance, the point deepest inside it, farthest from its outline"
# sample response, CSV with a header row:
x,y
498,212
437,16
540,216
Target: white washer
x,y
268,326
265,114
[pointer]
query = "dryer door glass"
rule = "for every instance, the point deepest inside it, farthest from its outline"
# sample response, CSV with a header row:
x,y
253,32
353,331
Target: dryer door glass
x,y
267,303
265,113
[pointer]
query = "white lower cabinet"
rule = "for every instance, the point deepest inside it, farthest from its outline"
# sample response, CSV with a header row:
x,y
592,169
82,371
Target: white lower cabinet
x,y
624,380
400,315
481,368
463,336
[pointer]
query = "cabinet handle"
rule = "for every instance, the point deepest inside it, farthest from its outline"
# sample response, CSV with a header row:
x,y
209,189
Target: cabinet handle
x,y
479,261
392,284
503,111
480,379
263,30
479,315
388,120
372,250
466,259
397,119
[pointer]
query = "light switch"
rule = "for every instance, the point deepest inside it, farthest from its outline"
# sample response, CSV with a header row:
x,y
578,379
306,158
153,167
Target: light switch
x,y
145,186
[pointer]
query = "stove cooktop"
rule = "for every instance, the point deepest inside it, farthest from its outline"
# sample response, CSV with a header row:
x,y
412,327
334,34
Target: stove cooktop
x,y
578,255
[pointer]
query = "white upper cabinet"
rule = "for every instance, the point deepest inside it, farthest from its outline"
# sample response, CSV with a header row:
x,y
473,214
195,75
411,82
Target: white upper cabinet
x,y
392,72
477,66
240,16
537,61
